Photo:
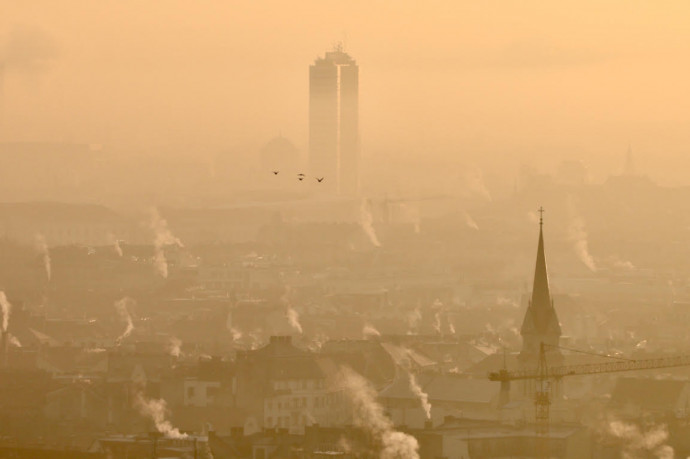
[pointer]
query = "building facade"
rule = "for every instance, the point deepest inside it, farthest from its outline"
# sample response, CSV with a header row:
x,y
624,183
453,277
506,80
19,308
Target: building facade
x,y
334,122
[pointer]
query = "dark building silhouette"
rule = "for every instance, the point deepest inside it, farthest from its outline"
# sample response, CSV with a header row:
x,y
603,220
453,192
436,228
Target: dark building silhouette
x,y
334,122
540,324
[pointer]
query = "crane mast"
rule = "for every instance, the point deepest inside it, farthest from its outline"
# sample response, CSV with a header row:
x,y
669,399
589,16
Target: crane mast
x,y
543,375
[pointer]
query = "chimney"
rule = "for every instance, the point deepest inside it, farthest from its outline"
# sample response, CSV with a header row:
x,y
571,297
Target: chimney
x,y
428,424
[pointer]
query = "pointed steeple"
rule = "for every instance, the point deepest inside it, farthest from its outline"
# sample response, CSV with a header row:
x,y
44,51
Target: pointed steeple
x,y
540,318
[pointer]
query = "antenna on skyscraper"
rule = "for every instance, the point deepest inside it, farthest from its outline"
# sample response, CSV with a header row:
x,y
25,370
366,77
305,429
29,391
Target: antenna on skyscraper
x,y
629,162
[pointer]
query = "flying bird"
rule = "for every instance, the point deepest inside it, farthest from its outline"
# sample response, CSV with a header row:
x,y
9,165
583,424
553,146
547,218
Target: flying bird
x,y
275,172
300,177
319,179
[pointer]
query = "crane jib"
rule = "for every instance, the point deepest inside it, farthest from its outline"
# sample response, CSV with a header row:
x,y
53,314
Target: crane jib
x,y
593,368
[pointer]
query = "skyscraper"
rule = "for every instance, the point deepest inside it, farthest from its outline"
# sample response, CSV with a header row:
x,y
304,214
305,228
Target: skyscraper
x,y
334,122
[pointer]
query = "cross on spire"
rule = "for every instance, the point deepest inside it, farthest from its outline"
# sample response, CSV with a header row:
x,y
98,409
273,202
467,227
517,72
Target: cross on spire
x,y
541,216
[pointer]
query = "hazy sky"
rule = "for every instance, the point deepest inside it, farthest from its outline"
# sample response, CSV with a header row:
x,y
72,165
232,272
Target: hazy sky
x,y
513,80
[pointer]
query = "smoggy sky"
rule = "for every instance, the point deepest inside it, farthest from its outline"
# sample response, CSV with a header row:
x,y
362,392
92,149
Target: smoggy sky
x,y
508,80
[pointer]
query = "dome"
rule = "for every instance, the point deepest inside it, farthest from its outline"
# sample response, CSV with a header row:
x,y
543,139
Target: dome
x,y
279,154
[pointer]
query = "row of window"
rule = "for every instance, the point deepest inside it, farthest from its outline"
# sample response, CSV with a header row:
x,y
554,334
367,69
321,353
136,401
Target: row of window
x,y
295,403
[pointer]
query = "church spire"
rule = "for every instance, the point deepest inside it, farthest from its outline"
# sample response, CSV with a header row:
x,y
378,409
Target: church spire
x,y
540,318
540,290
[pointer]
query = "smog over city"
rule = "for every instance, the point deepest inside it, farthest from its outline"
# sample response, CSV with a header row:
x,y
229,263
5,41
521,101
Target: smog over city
x,y
365,229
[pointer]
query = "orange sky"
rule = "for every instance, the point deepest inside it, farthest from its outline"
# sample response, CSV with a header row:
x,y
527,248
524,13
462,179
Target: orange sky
x,y
513,80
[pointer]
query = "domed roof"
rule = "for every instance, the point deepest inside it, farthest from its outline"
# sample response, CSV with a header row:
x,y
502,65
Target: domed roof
x,y
279,153
279,145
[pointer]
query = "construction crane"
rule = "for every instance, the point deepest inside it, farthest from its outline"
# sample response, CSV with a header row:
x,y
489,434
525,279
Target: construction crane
x,y
543,375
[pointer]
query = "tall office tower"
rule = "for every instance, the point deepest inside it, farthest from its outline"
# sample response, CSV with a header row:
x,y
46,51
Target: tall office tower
x,y
334,122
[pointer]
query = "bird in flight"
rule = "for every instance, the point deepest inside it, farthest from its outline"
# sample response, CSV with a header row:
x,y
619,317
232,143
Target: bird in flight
x,y
300,177
319,179
275,172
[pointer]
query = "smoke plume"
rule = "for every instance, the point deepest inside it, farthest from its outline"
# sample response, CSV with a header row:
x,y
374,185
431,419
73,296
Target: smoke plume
x,y
578,236
112,239
157,411
366,221
122,307
6,308
413,319
641,441
437,322
420,394
369,415
13,340
290,312
175,347
42,247
162,237
474,184
293,318
369,330
469,221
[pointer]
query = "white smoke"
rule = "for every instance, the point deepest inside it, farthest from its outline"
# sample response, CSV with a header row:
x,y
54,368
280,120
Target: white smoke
x,y
157,410
95,350
621,264
474,184
503,301
6,309
451,327
293,318
112,239
369,415
420,394
290,312
13,340
437,322
469,221
578,236
317,342
162,237
122,307
366,221
175,347
42,247
413,319
641,442
369,330
235,332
